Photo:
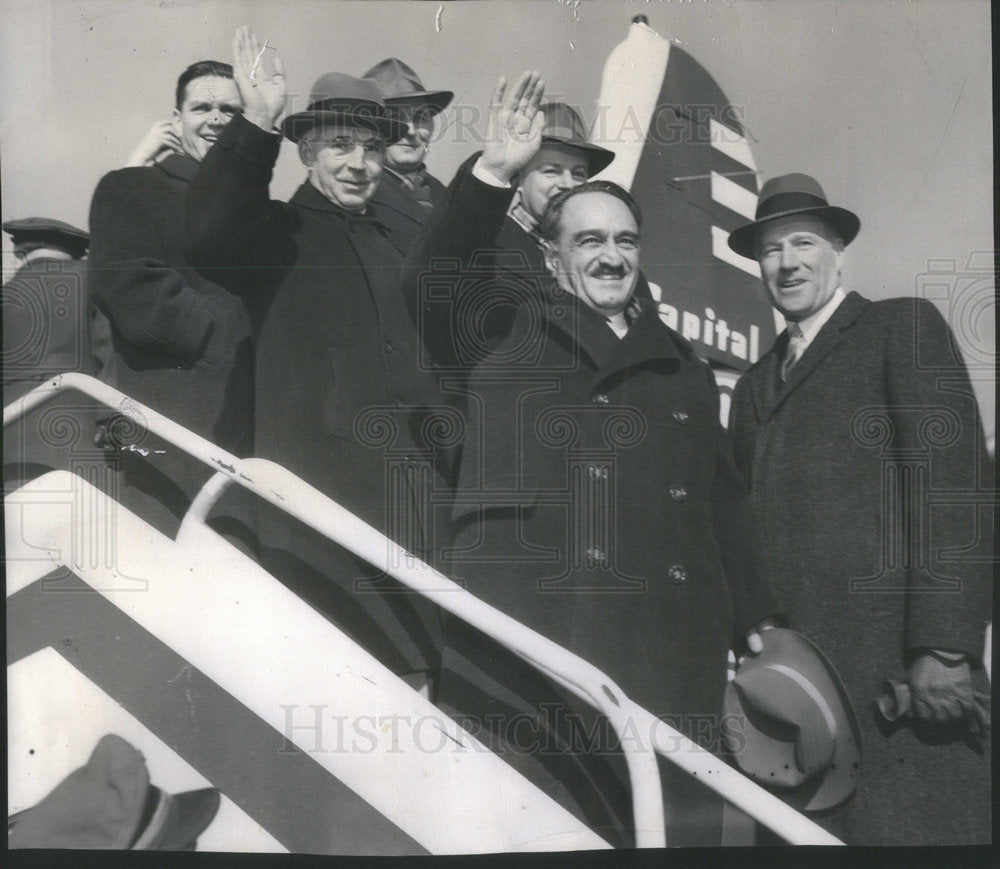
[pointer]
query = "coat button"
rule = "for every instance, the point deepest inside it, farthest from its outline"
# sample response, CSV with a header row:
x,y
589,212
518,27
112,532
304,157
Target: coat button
x,y
387,347
678,493
677,574
680,417
600,398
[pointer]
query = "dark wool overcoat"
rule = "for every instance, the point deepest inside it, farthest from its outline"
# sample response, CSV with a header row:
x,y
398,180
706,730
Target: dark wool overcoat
x,y
395,201
341,398
49,327
865,469
598,504
180,340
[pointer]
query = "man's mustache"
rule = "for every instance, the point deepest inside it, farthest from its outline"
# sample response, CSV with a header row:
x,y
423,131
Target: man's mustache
x,y
609,271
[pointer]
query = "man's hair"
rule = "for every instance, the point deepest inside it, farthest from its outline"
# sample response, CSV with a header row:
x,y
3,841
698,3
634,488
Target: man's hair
x,y
552,217
199,70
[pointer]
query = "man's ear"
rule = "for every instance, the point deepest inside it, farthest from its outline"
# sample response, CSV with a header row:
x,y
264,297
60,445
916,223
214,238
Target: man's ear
x,y
306,154
176,118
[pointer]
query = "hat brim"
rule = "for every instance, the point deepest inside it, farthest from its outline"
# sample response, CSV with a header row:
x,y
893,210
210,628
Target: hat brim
x,y
598,158
295,126
846,224
179,819
436,101
833,786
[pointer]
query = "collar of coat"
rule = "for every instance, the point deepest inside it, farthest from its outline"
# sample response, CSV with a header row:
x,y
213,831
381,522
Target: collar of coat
x,y
578,328
179,166
310,199
767,396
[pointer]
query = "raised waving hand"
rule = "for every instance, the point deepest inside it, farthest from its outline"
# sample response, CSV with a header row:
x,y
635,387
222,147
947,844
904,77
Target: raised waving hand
x,y
260,76
514,132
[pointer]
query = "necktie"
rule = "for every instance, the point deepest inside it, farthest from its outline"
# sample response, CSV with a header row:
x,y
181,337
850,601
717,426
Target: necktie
x,y
796,347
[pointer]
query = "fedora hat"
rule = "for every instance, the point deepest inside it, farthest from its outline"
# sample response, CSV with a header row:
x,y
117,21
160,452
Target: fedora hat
x,y
46,229
564,126
789,195
338,98
109,803
400,85
797,729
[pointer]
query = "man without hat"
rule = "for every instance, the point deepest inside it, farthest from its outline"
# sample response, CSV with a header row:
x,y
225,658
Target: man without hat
x,y
50,326
180,340
598,502
406,182
336,348
834,429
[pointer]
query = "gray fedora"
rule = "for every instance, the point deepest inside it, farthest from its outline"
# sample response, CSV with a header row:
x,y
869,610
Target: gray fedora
x,y
787,196
791,724
564,126
341,99
400,85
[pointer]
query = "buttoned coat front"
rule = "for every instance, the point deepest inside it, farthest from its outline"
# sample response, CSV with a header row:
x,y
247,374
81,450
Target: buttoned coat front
x,y
865,469
599,505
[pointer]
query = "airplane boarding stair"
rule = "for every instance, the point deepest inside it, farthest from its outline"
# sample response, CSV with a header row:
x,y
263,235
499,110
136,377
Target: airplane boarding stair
x,y
222,676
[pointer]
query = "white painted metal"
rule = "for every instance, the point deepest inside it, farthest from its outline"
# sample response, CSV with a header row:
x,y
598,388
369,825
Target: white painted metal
x,y
642,735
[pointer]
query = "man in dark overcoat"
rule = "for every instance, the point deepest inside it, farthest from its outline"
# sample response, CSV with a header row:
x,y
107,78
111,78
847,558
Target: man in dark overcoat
x,y
406,184
859,435
597,501
180,340
341,400
50,326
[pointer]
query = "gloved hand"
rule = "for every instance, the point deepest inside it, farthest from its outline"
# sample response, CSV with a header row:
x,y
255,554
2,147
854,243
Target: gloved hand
x,y
942,697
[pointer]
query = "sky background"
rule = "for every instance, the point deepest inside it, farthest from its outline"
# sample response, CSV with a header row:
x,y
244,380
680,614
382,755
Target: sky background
x,y
887,102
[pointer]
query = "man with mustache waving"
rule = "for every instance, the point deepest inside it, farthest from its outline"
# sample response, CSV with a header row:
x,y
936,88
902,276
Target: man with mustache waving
x,y
597,500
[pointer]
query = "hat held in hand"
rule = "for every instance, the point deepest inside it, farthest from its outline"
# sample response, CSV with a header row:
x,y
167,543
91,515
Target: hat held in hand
x,y
800,734
108,803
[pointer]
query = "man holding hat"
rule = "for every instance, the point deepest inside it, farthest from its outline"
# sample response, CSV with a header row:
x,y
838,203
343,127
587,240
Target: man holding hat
x,y
406,177
598,502
336,349
855,400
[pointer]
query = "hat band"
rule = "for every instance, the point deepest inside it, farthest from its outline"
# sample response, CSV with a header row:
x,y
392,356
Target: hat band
x,y
567,134
348,106
780,203
154,825
396,89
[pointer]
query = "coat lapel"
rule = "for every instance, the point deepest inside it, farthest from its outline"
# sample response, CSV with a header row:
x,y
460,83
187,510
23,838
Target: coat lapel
x,y
821,347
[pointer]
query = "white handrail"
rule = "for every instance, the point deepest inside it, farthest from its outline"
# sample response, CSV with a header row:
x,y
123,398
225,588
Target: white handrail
x,y
283,489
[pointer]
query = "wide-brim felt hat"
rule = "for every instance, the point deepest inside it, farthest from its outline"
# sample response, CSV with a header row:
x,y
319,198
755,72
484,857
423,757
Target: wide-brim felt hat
x,y
109,803
401,86
564,126
338,99
47,229
790,723
788,196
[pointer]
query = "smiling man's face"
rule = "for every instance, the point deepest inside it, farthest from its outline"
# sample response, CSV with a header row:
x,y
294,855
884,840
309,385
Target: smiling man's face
x,y
800,260
596,253
209,104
